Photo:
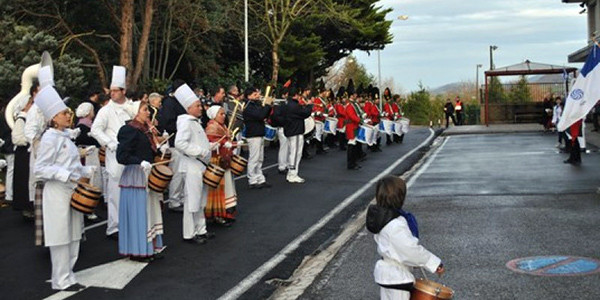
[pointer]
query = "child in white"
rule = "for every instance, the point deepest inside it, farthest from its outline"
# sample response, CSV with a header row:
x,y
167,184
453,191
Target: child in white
x,y
399,249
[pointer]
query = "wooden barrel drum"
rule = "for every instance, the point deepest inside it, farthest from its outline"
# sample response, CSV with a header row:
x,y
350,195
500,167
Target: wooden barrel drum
x,y
85,198
102,156
213,175
160,177
430,290
161,158
2,192
238,165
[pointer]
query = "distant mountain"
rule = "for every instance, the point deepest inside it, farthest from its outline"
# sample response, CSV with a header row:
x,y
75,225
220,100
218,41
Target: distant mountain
x,y
447,88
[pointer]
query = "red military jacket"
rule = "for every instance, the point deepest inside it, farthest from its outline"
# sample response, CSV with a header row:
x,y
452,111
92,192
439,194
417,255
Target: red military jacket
x,y
353,119
372,112
396,110
387,108
319,109
340,112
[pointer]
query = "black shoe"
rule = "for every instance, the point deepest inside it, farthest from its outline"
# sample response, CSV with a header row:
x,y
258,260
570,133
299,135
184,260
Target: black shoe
x,y
207,236
254,186
143,259
114,236
282,171
158,255
356,167
265,185
195,240
28,215
75,287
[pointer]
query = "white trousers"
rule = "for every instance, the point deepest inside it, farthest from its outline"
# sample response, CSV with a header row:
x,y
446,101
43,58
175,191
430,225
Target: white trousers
x,y
296,144
113,191
255,160
10,171
193,223
282,159
176,185
392,294
63,259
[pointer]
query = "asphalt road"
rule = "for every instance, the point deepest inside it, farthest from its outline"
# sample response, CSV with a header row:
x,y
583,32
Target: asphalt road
x,y
481,201
268,220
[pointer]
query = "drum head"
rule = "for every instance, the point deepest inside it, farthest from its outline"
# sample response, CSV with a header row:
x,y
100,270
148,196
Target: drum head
x,y
162,169
309,125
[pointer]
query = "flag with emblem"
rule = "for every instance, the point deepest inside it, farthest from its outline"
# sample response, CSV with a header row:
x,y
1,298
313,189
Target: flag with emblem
x,y
584,93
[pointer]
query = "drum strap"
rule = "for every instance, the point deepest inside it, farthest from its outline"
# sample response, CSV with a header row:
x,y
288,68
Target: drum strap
x,y
409,287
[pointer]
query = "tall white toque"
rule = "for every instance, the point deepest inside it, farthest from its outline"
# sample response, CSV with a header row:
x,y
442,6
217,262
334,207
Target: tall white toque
x,y
185,96
119,77
49,102
46,76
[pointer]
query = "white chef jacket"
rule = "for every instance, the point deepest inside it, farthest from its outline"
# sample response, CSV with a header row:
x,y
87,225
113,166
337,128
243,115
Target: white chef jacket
x,y
400,251
106,126
57,161
35,124
191,141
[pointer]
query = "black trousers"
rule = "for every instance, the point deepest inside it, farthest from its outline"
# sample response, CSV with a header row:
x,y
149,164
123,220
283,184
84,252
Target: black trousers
x,y
353,154
342,140
575,153
459,118
447,119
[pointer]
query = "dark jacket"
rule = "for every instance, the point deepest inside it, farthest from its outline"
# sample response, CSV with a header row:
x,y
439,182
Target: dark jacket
x,y
254,118
449,108
167,116
83,139
134,146
6,135
295,115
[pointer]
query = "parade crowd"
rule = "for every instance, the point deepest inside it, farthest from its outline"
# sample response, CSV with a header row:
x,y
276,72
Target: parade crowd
x,y
139,153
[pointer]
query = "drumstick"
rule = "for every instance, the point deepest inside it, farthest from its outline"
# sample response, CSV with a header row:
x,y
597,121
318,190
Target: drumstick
x,y
162,162
166,140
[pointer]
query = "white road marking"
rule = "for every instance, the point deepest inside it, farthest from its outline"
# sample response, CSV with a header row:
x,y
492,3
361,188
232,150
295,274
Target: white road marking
x,y
255,276
112,275
426,165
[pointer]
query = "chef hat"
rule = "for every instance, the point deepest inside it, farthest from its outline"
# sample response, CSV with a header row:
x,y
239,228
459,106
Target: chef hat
x,y
84,109
119,74
45,76
213,111
185,96
49,102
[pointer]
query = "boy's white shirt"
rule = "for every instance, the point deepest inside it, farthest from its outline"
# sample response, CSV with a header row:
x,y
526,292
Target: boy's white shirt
x,y
400,251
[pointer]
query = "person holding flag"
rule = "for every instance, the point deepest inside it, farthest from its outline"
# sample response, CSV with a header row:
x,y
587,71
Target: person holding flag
x,y
583,96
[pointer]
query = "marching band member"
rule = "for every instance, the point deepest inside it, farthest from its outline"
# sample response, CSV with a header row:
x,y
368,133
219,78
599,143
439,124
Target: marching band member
x,y
222,201
353,121
330,108
372,111
195,148
277,119
319,112
57,163
254,121
396,107
340,111
294,131
140,218
21,178
85,114
167,116
388,113
109,120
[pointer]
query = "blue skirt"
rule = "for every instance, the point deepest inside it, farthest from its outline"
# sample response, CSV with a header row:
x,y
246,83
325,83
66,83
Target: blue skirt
x,y
133,220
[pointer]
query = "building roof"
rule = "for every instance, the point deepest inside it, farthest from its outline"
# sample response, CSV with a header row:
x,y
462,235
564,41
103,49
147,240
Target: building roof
x,y
529,68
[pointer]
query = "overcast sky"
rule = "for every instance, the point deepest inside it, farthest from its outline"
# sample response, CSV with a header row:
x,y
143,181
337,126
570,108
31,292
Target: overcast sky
x,y
443,40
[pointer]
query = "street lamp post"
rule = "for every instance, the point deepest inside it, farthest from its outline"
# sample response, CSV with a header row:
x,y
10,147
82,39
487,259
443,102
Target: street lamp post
x,y
379,78
492,48
477,82
246,61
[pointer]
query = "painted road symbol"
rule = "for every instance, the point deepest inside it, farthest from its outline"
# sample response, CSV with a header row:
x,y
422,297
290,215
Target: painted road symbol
x,y
555,265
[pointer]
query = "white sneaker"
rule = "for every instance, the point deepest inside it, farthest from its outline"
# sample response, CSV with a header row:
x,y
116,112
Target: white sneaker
x,y
91,216
295,179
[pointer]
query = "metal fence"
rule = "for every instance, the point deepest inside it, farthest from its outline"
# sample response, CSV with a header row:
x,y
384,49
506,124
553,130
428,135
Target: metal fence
x,y
507,110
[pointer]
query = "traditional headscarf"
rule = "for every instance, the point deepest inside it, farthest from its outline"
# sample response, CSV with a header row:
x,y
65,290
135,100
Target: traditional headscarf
x,y
213,111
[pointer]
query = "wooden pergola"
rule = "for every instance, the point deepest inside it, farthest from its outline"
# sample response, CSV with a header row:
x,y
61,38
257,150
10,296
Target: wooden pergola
x,y
525,68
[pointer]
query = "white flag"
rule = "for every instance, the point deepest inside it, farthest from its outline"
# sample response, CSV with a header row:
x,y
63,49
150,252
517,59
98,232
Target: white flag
x,y
585,92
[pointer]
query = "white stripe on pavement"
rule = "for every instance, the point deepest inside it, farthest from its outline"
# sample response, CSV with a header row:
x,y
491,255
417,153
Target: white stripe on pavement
x,y
259,273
